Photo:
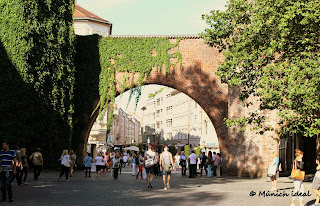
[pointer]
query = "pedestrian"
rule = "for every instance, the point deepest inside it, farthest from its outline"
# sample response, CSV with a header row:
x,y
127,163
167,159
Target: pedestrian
x,y
8,169
133,163
37,161
176,161
298,184
73,158
275,163
214,168
18,165
192,160
209,163
156,165
99,164
221,163
116,161
25,166
203,163
125,159
121,162
104,166
316,183
216,163
183,163
166,166
87,164
149,165
141,162
65,164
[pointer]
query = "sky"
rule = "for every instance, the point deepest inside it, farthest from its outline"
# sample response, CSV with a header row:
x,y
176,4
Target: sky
x,y
122,100
154,17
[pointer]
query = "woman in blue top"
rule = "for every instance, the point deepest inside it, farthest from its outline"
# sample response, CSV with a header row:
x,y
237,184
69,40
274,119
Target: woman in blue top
x,y
87,164
273,178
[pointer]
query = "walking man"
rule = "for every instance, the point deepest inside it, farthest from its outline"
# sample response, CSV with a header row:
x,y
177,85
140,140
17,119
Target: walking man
x,y
8,169
166,166
37,161
192,159
87,164
149,165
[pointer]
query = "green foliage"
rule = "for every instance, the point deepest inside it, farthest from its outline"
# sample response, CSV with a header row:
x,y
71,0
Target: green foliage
x,y
37,75
198,150
150,95
132,55
187,150
271,50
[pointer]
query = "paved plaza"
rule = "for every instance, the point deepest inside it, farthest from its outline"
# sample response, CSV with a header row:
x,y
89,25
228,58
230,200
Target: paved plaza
x,y
129,191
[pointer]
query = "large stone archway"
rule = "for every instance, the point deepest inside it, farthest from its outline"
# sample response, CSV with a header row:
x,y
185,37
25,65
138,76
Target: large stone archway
x,y
245,153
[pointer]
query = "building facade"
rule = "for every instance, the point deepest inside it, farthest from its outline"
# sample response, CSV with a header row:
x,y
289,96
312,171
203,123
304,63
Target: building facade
x,y
87,23
173,118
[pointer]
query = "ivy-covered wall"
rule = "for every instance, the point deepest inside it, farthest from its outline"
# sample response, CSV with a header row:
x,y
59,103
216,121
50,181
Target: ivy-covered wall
x,y
37,75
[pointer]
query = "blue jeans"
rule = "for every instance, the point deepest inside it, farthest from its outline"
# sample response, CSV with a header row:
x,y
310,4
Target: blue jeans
x,y
209,174
6,185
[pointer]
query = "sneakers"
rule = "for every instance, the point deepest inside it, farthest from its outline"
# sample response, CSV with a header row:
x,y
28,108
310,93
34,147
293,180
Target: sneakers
x,y
165,188
168,186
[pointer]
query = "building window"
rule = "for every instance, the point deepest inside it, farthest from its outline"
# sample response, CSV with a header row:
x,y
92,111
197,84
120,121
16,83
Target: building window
x,y
169,109
169,122
158,102
168,95
158,124
154,115
195,118
158,113
169,136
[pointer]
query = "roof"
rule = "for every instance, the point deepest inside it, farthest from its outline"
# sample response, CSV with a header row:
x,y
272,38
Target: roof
x,y
83,14
156,36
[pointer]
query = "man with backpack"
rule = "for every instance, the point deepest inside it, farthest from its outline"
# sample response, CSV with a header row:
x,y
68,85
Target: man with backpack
x,y
166,166
37,161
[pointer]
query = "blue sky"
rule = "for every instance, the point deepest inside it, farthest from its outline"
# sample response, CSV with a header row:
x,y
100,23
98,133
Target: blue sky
x,y
154,17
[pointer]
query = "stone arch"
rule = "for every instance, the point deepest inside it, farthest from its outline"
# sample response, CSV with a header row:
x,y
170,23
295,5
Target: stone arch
x,y
196,78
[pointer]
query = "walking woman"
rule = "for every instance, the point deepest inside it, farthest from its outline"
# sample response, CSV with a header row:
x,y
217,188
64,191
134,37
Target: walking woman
x,y
99,164
316,183
275,162
65,164
116,165
209,163
73,158
25,166
133,164
298,184
183,163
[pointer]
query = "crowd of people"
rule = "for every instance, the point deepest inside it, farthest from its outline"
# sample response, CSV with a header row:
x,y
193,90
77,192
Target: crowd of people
x,y
145,165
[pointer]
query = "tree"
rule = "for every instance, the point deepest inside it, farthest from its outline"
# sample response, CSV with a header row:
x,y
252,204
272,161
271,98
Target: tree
x,y
271,50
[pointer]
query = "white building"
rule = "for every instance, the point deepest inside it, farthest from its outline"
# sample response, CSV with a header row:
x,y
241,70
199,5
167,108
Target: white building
x,y
172,117
87,23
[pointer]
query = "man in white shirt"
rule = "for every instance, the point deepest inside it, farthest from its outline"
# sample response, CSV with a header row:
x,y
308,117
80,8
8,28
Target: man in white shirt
x,y
192,159
149,165
125,160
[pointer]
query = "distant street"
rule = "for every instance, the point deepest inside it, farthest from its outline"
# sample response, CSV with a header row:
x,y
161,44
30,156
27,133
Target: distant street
x,y
129,191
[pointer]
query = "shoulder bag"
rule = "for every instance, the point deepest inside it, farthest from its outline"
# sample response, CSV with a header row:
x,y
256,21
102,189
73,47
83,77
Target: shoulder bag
x,y
297,173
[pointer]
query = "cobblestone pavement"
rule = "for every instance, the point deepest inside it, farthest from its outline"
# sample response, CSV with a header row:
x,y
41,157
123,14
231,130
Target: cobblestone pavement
x,y
129,191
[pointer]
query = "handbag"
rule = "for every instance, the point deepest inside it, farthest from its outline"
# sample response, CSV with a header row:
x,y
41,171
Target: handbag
x,y
148,163
272,170
168,168
297,173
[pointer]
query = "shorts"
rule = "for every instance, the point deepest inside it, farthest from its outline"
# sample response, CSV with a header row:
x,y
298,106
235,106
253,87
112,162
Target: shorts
x,y
315,183
150,169
164,172
98,167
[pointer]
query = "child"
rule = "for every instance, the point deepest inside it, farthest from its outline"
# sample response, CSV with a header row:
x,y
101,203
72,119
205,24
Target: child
x,y
316,182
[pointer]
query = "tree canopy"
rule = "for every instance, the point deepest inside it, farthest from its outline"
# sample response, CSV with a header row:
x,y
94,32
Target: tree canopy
x,y
271,50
